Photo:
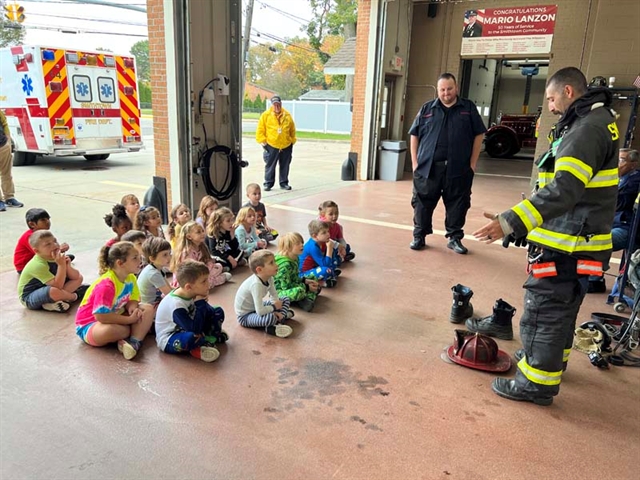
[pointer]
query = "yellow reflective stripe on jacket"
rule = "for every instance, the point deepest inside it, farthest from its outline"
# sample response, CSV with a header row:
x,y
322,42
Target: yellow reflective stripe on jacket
x,y
528,214
539,376
575,167
604,178
570,243
544,178
565,354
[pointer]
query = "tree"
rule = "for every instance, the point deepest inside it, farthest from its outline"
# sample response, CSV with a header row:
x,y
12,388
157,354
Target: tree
x,y
11,33
140,50
261,59
331,17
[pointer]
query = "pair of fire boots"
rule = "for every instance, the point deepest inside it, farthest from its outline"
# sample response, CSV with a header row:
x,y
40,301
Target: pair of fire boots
x,y
498,324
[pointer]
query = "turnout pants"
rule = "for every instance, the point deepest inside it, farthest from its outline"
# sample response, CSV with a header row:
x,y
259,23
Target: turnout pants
x,y
455,192
547,326
271,157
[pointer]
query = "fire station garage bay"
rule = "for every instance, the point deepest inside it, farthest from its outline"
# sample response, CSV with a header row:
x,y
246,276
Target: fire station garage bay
x,y
368,386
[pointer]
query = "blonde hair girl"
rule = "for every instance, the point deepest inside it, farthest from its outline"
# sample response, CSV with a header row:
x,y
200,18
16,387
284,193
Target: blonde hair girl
x,y
222,241
208,205
191,244
248,239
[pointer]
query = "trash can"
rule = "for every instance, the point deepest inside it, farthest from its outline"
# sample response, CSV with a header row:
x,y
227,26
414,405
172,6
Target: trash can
x,y
391,159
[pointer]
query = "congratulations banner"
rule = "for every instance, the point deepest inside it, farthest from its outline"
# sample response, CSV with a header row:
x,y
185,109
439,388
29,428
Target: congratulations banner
x,y
508,31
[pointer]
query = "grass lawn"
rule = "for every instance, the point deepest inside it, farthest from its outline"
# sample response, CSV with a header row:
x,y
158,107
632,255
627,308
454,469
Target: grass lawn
x,y
146,111
251,115
312,136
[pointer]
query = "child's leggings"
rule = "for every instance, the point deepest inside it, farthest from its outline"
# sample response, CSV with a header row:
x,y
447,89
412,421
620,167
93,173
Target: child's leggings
x,y
254,320
184,342
319,273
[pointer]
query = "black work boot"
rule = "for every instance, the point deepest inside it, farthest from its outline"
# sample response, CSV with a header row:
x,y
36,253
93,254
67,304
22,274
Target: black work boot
x,y
497,324
461,308
507,389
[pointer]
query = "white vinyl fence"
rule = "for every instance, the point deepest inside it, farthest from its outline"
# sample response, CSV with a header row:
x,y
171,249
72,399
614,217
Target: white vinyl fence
x,y
324,117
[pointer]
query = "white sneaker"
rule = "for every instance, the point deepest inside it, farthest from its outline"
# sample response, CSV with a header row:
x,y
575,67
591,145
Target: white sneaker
x,y
279,330
58,306
209,354
227,276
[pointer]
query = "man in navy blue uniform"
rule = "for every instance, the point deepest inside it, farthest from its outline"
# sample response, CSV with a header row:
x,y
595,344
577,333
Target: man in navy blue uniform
x,y
446,138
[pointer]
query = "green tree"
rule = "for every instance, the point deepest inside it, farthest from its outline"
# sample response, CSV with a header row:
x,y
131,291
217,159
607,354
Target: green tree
x,y
331,17
247,103
144,92
11,33
261,60
258,103
140,50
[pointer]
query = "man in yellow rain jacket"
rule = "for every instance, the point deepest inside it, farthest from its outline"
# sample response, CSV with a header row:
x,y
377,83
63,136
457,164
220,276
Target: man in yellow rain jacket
x,y
276,133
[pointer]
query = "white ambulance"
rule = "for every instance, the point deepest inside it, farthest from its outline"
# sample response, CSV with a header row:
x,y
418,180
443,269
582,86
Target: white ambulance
x,y
61,102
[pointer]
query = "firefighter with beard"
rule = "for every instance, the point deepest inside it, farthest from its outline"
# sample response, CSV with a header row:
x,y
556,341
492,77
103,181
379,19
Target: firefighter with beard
x,y
567,225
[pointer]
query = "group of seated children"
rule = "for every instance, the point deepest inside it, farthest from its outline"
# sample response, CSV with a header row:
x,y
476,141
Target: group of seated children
x,y
132,290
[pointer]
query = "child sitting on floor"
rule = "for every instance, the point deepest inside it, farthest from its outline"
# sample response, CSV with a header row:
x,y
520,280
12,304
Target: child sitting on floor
x,y
180,214
131,205
152,283
316,260
248,239
48,281
137,238
111,310
254,194
208,205
329,213
119,222
251,308
288,281
222,241
37,219
185,322
191,244
149,221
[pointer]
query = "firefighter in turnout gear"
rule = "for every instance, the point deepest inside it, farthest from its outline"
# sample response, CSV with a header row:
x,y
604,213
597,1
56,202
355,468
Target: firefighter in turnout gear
x,y
567,224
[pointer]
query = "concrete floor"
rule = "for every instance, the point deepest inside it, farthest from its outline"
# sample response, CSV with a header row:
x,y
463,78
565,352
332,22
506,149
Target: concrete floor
x,y
358,392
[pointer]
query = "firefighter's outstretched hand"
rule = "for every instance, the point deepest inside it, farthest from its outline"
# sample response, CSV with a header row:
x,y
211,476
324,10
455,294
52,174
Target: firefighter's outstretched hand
x,y
491,232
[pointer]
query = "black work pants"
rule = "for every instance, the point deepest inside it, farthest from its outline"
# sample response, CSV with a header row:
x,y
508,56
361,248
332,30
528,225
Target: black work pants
x,y
551,306
271,158
456,194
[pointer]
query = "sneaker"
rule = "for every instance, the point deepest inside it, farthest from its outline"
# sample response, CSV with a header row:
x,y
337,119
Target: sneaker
x,y
220,337
12,202
280,330
306,304
337,272
3,207
266,188
207,353
59,306
456,245
226,269
128,349
82,289
227,276
290,314
349,256
331,282
285,187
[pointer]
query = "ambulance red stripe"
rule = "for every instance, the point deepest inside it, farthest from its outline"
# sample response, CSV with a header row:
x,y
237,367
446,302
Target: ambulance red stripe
x,y
25,125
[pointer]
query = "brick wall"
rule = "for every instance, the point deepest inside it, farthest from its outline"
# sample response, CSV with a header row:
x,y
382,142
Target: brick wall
x,y
157,60
360,79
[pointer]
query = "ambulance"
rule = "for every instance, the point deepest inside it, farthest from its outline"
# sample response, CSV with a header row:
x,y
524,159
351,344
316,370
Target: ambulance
x,y
61,102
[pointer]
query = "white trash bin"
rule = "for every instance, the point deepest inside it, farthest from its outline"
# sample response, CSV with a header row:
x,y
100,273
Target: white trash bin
x,y
391,160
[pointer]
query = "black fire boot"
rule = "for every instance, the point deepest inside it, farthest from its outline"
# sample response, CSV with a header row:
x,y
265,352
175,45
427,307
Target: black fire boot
x,y
507,389
461,308
496,325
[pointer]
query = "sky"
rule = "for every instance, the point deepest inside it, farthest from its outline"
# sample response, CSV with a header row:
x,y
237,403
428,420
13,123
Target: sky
x,y
119,37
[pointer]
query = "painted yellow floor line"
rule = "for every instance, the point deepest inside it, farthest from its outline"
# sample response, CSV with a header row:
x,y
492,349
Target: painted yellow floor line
x,y
123,184
378,223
